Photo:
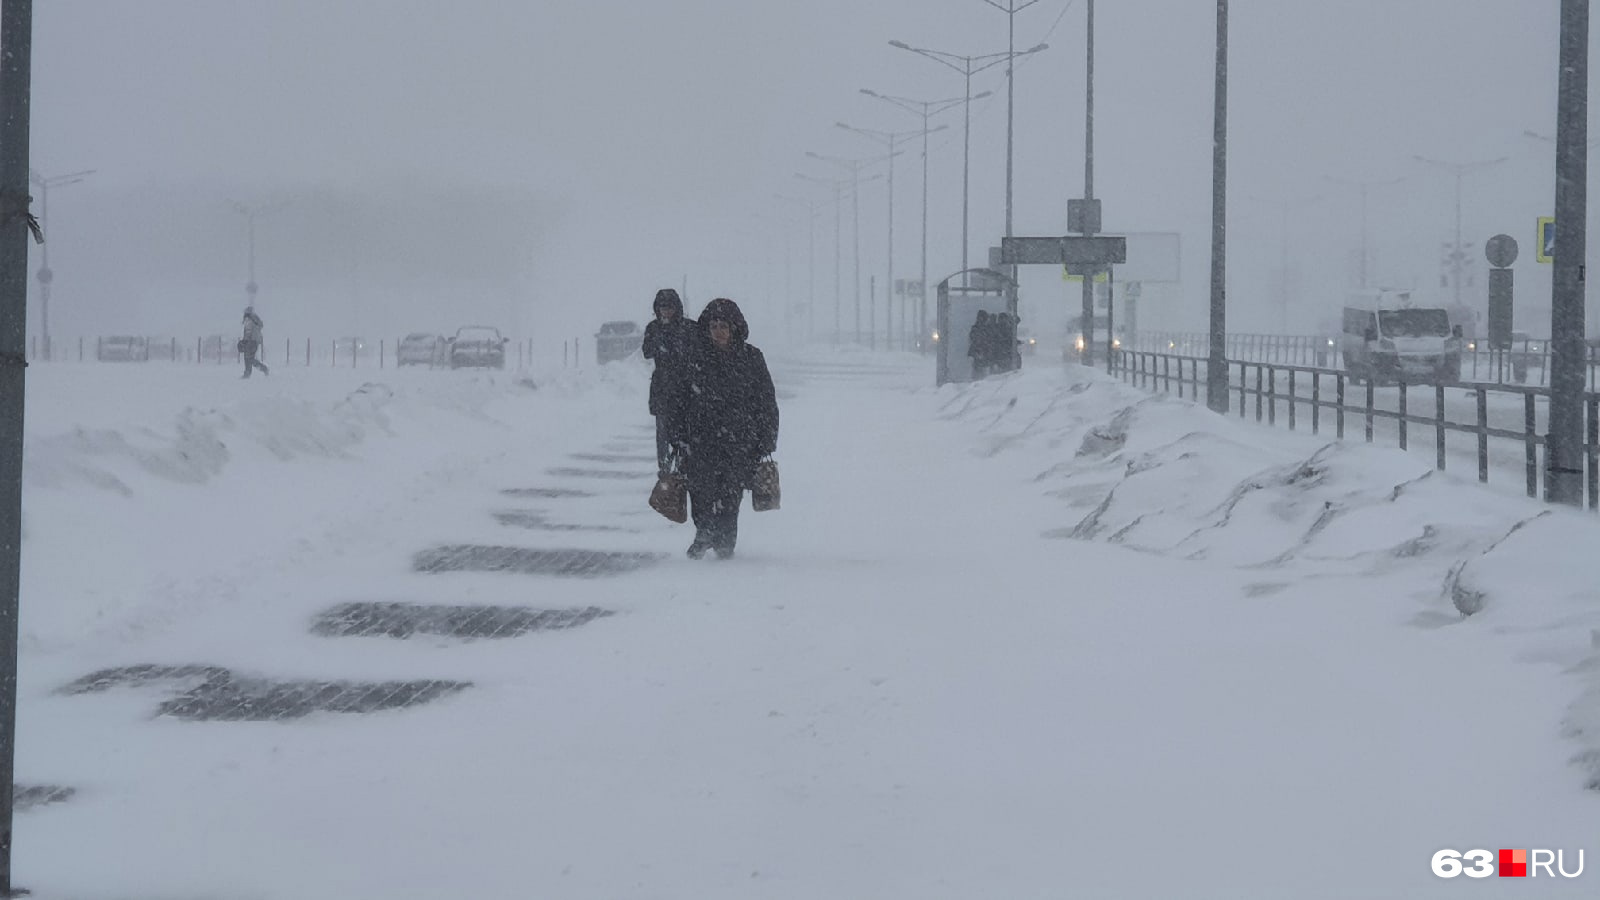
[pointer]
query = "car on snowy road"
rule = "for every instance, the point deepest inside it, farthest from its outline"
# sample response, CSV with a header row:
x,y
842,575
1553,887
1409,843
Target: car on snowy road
x,y
478,346
423,349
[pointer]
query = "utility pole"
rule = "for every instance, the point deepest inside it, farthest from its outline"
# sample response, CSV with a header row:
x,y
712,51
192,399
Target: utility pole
x,y
1091,222
46,274
968,66
854,167
1216,361
16,221
838,244
927,109
1458,251
1563,480
1011,9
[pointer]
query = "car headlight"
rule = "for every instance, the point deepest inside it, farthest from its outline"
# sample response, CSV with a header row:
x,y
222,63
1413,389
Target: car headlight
x,y
1330,342
1031,342
936,335
1171,345
1116,342
1472,346
1079,344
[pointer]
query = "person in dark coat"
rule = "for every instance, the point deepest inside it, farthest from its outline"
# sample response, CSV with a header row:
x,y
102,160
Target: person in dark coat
x,y
727,421
668,339
977,341
250,343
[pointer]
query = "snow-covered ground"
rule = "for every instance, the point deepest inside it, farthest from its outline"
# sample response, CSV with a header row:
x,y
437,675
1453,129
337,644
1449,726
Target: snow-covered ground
x,y
1044,636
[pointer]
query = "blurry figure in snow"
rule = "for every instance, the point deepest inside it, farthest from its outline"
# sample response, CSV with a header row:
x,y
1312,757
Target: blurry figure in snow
x,y
668,339
726,421
978,345
250,343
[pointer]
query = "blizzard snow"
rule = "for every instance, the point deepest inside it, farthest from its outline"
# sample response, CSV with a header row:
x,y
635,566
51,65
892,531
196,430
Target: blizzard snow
x,y
1043,636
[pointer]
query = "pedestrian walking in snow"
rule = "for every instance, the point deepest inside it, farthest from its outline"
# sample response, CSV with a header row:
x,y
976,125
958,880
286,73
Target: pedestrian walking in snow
x,y
668,339
250,343
725,424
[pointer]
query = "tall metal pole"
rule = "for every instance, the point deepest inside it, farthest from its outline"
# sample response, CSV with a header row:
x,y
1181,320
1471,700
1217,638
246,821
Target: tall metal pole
x,y
838,257
1216,364
45,273
888,282
1564,444
922,290
1365,250
1088,195
811,291
855,235
16,67
1458,254
966,163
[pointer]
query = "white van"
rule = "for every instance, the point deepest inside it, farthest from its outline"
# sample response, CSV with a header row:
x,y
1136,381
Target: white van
x,y
1416,344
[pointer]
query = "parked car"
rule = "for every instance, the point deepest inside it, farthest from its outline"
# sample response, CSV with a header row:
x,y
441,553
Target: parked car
x,y
122,348
422,349
478,346
617,340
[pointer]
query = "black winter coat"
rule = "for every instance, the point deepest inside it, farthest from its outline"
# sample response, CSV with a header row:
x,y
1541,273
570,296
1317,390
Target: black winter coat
x,y
670,345
727,411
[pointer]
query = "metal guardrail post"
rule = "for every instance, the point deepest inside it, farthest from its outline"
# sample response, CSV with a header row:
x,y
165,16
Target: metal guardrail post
x,y
1291,399
1272,395
1438,426
1316,401
1244,385
1369,410
1259,375
1338,411
1530,443
1403,414
1594,452
1483,433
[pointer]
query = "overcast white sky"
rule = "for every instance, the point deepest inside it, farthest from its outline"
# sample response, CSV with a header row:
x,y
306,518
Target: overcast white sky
x,y
546,165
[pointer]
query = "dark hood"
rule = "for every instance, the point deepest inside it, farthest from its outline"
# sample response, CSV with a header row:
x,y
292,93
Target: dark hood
x,y
723,308
668,298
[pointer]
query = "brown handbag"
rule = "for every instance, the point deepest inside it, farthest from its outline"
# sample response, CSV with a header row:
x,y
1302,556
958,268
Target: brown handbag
x,y
670,497
765,492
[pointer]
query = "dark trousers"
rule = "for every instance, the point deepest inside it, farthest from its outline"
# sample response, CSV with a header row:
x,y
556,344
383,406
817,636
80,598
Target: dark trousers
x,y
715,510
250,361
663,445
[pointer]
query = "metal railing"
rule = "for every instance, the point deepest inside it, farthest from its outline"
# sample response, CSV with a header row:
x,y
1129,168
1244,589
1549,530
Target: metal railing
x,y
1302,395
1527,360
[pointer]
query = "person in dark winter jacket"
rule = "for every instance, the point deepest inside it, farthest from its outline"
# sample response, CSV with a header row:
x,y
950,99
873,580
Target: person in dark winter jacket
x,y
978,341
668,339
726,422
250,343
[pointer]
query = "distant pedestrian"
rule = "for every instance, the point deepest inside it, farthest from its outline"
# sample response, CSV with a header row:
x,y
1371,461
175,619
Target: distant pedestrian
x,y
978,345
727,423
250,343
668,339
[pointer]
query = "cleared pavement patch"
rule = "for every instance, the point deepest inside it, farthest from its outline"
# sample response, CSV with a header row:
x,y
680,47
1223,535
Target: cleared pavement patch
x,y
530,561
215,693
402,620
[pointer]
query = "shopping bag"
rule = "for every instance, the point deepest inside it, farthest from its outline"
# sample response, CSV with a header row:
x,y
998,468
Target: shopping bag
x,y
764,490
670,497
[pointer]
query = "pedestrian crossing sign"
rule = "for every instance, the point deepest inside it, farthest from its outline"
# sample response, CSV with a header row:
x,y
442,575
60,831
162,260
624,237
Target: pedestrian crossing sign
x,y
1545,242
1100,277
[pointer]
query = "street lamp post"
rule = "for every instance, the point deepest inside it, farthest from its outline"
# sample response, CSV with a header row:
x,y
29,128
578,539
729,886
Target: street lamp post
x,y
854,167
811,261
46,275
1564,444
250,214
838,185
927,109
889,139
968,66
1011,10
1216,362
1458,253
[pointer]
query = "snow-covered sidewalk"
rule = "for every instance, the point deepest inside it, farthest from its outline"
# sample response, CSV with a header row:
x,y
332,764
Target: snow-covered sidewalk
x,y
1043,636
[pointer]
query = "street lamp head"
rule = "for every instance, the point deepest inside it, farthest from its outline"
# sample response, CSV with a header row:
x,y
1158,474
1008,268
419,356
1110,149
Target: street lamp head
x,y
870,92
902,45
940,128
1035,49
983,95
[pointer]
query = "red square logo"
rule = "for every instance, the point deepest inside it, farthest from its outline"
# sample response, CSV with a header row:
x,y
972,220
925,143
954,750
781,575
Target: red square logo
x,y
1513,863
